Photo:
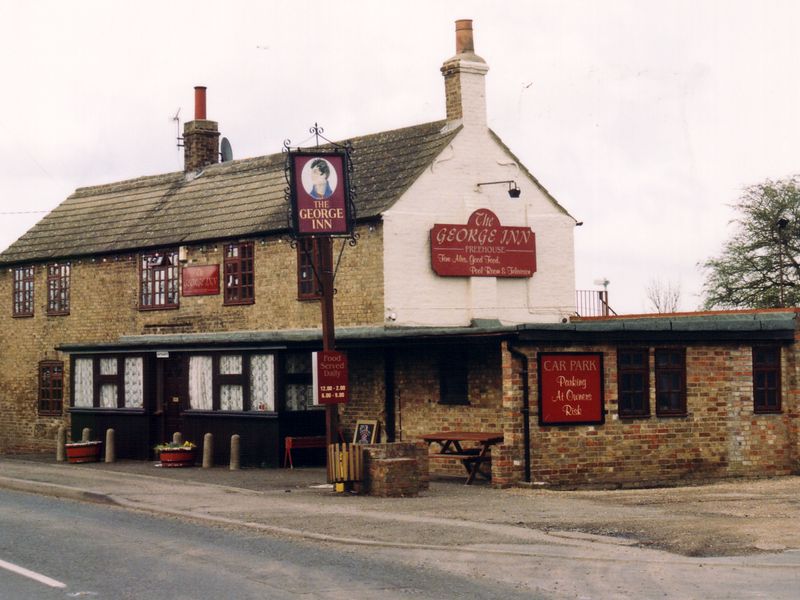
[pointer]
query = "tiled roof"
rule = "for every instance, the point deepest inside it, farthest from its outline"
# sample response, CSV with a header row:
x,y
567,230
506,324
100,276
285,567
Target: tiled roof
x,y
228,200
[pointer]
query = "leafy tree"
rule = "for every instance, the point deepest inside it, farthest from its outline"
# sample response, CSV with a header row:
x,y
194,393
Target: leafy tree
x,y
664,296
759,267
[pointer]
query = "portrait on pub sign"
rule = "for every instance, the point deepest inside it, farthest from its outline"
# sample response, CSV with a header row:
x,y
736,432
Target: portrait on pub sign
x,y
319,194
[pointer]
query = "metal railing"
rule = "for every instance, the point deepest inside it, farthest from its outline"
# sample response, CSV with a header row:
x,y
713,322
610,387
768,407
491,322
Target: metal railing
x,y
592,303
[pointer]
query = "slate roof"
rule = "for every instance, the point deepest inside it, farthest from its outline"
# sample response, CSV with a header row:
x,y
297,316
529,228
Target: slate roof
x,y
228,200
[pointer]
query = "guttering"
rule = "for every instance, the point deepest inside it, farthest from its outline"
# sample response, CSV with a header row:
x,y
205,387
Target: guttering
x,y
526,410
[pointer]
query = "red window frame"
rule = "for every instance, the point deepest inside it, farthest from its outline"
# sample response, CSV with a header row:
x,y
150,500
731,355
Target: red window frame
x,y
633,383
670,372
767,379
51,387
311,259
239,274
58,279
159,278
22,299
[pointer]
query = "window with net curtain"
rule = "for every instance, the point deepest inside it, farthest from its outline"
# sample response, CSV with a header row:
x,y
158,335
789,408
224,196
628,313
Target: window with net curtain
x,y
232,371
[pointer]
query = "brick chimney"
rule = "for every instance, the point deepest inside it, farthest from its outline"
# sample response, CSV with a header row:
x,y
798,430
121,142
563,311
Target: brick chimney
x,y
200,137
464,79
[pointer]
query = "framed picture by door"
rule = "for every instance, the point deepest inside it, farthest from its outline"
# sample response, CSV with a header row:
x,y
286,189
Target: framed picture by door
x,y
366,432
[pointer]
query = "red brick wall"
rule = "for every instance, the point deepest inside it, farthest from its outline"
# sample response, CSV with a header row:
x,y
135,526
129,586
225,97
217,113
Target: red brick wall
x,y
720,437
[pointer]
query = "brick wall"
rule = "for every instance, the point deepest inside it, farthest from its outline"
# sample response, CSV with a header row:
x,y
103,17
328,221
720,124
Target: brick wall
x,y
720,437
417,397
104,306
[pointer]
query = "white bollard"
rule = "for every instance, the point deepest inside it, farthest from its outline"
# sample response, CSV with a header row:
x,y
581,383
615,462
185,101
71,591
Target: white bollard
x,y
235,453
208,450
111,454
61,439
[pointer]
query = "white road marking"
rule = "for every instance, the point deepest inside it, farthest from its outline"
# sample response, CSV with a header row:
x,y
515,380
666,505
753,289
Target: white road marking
x,y
31,574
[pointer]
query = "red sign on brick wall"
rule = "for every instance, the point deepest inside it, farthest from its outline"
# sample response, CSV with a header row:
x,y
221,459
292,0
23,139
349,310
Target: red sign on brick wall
x,y
571,388
483,248
200,280
330,377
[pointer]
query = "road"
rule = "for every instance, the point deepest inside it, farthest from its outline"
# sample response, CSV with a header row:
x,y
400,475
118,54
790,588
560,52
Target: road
x,y
56,549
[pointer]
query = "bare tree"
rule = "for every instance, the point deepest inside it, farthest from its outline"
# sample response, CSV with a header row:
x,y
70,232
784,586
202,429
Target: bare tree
x,y
664,296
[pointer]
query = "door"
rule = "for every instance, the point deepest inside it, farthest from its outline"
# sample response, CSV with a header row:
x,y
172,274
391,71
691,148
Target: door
x,y
175,396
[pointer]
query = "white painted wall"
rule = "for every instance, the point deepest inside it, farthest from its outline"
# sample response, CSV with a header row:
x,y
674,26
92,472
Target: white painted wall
x,y
446,193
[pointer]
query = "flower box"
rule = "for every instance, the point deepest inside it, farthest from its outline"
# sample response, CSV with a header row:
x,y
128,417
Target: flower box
x,y
83,452
177,456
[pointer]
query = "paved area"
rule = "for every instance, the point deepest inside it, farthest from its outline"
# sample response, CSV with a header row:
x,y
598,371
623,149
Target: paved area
x,y
729,518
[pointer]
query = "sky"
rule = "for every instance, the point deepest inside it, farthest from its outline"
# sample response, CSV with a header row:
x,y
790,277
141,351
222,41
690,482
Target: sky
x,y
644,119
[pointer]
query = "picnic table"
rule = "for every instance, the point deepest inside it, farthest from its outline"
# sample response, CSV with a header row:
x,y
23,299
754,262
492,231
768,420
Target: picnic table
x,y
472,457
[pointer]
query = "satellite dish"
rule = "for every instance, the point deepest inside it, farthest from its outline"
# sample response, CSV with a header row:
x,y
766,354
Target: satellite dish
x,y
226,150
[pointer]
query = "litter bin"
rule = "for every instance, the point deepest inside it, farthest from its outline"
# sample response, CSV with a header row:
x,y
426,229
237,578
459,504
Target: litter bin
x,y
345,465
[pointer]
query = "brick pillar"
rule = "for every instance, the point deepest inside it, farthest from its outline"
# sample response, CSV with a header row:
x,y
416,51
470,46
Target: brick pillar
x,y
504,471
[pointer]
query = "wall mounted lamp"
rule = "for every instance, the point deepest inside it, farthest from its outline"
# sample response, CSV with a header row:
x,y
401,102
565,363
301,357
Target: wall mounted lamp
x,y
513,189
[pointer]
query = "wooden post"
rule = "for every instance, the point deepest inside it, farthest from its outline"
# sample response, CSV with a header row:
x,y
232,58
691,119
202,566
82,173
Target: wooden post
x,y
208,450
235,453
111,453
325,245
61,439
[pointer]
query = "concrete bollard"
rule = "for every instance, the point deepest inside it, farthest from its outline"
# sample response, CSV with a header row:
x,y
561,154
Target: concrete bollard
x,y
61,439
235,452
86,435
111,453
177,438
208,450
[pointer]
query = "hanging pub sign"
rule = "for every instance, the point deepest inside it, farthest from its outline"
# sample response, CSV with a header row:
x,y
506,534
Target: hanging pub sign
x,y
571,388
483,248
319,192
200,280
330,377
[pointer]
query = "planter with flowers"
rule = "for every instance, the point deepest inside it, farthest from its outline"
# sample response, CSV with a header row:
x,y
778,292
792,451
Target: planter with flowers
x,y
83,452
177,455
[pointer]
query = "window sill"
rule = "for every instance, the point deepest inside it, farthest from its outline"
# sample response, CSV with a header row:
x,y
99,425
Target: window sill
x,y
770,411
633,417
99,409
239,303
671,415
51,414
194,412
166,307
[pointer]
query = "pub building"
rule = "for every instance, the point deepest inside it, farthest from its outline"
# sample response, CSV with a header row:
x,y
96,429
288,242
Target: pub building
x,y
180,302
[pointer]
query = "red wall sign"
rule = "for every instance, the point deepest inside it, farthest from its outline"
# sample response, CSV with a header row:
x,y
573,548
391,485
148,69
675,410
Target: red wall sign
x,y
483,248
331,384
571,388
319,193
200,281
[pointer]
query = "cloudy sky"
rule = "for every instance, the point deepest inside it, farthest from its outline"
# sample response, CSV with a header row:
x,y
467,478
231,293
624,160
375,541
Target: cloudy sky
x,y
644,118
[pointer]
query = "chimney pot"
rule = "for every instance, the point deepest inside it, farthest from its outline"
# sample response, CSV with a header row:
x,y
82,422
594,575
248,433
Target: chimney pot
x,y
464,41
200,103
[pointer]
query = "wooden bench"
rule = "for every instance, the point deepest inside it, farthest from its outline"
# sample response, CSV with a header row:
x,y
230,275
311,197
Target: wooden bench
x,y
300,443
471,458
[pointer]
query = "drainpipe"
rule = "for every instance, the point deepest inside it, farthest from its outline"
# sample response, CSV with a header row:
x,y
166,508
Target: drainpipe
x,y
526,411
